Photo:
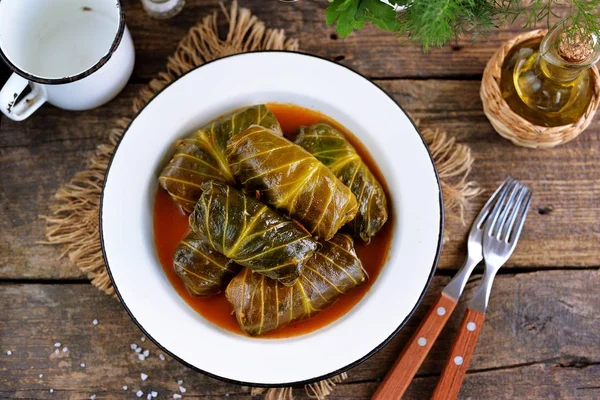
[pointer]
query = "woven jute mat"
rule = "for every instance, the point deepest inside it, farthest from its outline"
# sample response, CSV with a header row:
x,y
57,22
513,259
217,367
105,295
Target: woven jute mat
x,y
75,214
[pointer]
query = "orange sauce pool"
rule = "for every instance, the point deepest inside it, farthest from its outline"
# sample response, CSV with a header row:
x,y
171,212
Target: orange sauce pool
x,y
171,225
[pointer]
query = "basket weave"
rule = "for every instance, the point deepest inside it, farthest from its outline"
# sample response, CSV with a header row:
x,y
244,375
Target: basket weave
x,y
516,128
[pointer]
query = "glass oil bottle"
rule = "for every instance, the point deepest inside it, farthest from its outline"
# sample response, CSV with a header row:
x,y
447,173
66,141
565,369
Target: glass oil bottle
x,y
550,82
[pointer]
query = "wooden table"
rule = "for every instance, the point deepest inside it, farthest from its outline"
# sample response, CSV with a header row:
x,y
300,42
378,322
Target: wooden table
x,y
541,338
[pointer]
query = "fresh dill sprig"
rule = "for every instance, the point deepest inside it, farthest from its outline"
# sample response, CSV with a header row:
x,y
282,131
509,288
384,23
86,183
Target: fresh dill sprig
x,y
433,23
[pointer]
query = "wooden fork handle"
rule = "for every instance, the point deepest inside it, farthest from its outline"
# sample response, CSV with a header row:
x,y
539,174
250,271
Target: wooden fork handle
x,y
455,369
406,366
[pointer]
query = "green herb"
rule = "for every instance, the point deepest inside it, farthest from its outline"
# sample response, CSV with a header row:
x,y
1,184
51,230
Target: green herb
x,y
352,14
436,22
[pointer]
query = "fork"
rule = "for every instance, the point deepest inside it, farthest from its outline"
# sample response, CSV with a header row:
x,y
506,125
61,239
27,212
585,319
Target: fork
x,y
500,237
407,365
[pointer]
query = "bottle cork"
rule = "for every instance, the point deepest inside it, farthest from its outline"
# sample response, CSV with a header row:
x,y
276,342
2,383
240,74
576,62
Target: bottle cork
x,y
572,47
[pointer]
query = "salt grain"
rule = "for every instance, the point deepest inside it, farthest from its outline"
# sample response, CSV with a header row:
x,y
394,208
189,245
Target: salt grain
x,y
176,396
144,376
141,357
182,389
143,339
9,352
82,365
65,349
146,353
57,344
149,397
226,394
41,376
139,393
133,346
154,394
161,357
95,322
180,382
56,351
93,397
124,387
51,390
138,350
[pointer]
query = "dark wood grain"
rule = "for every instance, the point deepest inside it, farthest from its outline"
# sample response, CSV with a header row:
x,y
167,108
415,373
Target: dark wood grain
x,y
540,327
540,337
539,381
401,374
562,228
42,153
37,156
371,52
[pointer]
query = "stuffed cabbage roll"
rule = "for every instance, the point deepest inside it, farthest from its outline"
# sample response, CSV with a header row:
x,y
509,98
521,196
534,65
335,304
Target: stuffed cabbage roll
x,y
262,304
250,233
201,156
292,180
203,270
332,148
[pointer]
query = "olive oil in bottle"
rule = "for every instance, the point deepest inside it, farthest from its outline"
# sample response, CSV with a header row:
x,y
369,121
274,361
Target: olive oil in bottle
x,y
549,82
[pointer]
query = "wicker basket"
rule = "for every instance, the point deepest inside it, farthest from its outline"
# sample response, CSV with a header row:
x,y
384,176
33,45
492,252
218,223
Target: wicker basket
x,y
516,128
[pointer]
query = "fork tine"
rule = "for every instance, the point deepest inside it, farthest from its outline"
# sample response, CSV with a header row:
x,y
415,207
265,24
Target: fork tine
x,y
498,207
485,211
506,211
514,236
507,228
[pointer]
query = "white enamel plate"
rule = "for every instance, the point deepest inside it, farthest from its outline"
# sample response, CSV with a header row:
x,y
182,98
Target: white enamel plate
x,y
212,90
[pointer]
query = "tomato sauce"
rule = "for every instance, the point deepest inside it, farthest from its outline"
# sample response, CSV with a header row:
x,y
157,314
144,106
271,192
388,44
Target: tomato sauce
x,y
171,225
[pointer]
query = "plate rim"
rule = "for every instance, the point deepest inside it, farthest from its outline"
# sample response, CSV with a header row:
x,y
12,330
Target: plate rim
x,y
317,378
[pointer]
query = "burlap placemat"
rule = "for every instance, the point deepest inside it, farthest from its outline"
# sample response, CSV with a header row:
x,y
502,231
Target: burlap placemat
x,y
74,220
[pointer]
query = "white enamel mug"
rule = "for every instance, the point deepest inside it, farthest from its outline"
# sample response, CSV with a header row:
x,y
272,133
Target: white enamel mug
x,y
75,55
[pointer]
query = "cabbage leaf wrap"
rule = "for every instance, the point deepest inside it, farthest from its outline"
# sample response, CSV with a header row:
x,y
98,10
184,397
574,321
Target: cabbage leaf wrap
x,y
250,233
291,180
262,304
201,156
203,270
331,147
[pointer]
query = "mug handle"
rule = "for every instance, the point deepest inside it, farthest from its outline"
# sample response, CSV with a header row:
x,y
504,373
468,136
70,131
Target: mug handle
x,y
22,109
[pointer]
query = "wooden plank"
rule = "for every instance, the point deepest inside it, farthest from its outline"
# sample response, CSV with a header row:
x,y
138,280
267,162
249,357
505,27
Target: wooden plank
x,y
563,229
539,341
372,52
37,156
540,381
